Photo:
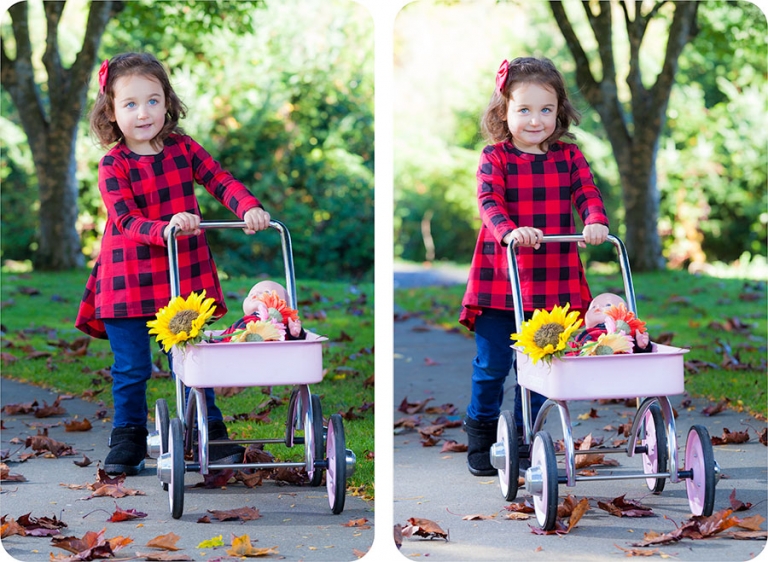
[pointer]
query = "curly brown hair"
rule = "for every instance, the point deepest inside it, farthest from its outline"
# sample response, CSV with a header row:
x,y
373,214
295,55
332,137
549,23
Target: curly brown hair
x,y
528,70
103,124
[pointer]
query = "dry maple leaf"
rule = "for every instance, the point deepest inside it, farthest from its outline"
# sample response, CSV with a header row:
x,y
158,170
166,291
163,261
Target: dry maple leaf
x,y
42,442
478,517
713,409
407,422
413,407
361,523
445,409
638,551
451,446
16,409
121,514
10,527
165,542
241,513
730,438
40,526
738,505
76,425
520,507
429,441
6,476
621,507
241,546
83,463
424,528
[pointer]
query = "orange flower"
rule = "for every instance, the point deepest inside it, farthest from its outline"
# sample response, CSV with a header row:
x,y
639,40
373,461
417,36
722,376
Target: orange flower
x,y
625,320
274,302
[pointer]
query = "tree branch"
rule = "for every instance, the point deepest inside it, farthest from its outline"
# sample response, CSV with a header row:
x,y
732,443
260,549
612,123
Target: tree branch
x,y
584,76
601,26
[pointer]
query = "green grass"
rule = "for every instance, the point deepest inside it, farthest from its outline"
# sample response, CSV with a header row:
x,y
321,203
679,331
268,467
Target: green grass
x,y
722,322
38,313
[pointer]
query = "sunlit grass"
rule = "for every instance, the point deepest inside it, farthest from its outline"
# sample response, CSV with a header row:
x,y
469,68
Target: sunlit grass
x,y
38,313
721,321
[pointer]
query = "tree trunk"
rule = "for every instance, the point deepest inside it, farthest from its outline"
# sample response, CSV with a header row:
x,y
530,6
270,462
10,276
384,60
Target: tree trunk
x,y
635,137
52,133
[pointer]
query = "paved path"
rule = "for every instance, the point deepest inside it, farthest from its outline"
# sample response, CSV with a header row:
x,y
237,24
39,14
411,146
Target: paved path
x,y
296,520
433,364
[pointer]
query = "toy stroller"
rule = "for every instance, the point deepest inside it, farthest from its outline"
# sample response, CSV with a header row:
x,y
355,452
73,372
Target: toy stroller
x,y
248,364
656,375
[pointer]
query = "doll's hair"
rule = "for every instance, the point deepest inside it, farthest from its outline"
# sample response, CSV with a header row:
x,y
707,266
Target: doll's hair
x,y
103,126
528,70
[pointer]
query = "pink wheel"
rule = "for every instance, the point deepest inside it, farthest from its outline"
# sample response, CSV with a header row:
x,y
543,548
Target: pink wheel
x,y
700,460
336,475
656,455
506,434
313,440
543,480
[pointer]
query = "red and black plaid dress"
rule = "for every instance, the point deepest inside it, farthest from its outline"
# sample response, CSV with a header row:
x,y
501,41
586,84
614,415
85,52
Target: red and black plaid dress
x,y
141,193
516,189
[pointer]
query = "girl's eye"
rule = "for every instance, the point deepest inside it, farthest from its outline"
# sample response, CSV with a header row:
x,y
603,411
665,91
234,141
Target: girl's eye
x,y
130,104
546,110
152,102
524,110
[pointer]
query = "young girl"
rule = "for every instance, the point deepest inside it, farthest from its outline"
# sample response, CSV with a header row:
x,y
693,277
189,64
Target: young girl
x,y
146,181
527,181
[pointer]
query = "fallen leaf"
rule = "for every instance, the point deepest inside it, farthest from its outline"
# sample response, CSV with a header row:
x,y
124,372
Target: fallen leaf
x,y
241,546
621,507
737,505
125,515
361,523
75,425
413,407
165,542
242,513
713,409
212,542
478,517
424,528
730,438
451,446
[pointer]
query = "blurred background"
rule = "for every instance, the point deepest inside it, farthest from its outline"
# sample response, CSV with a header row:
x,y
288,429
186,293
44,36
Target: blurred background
x,y
280,93
705,178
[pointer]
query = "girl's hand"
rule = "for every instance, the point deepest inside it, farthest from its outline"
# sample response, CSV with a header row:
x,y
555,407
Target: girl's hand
x,y
187,223
594,234
526,236
256,219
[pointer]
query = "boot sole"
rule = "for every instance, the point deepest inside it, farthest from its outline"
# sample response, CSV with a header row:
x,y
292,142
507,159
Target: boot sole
x,y
482,471
124,468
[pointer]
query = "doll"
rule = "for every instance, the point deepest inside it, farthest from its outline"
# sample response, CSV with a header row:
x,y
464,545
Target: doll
x,y
608,312
266,313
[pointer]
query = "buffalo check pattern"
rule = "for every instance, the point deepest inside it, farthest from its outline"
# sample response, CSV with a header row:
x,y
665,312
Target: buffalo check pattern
x,y
516,189
141,193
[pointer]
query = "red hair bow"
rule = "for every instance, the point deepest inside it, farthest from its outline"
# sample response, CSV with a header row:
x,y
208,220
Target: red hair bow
x,y
501,76
103,73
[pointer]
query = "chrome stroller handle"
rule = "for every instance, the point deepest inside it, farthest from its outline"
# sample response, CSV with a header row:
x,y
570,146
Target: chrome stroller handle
x,y
287,248
514,274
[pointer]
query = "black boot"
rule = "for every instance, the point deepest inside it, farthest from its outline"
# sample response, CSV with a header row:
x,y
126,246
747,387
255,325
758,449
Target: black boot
x,y
230,453
481,436
128,447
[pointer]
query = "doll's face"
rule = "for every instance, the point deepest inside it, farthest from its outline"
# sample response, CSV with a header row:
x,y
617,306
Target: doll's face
x,y
250,302
600,304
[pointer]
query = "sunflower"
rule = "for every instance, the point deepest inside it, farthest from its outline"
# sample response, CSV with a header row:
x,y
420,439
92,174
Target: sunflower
x,y
182,321
623,320
261,330
277,307
608,344
546,334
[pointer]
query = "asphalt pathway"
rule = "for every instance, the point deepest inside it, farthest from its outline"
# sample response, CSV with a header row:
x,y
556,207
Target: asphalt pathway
x,y
433,364
296,520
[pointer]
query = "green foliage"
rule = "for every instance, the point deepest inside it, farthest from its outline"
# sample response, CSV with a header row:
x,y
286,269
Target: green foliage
x,y
38,316
721,321
282,96
711,161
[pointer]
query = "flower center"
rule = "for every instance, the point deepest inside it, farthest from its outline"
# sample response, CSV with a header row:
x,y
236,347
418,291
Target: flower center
x,y
622,326
182,321
548,334
275,314
250,336
603,350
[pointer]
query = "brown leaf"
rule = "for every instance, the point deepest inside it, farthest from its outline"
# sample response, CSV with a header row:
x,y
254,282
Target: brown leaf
x,y
445,409
729,438
751,523
408,422
361,523
76,425
53,410
10,528
425,528
713,409
42,442
520,507
125,515
413,407
16,409
577,513
621,507
429,441
242,514
451,446
40,526
763,436
638,551
165,542
6,476
83,463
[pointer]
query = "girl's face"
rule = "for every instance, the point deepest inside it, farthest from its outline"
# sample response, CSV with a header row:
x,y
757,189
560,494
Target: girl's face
x,y
531,116
139,111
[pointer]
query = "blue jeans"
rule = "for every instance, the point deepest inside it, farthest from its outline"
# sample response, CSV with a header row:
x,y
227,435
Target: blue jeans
x,y
132,350
493,362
